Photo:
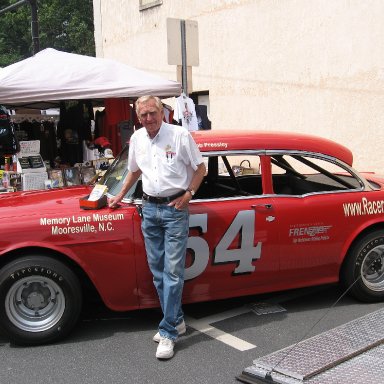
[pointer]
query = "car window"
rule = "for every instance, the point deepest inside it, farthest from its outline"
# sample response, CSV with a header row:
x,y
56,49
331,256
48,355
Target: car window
x,y
234,175
226,176
230,175
301,174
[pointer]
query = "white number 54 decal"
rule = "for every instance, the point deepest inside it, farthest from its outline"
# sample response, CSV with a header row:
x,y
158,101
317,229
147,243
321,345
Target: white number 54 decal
x,y
244,225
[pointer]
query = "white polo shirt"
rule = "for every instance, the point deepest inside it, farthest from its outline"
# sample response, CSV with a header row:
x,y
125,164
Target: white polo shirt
x,y
167,161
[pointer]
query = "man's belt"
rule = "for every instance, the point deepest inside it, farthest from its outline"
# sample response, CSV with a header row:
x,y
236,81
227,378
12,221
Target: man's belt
x,y
161,200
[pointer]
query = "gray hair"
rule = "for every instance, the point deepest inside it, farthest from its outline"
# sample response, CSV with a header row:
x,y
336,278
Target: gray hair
x,y
145,99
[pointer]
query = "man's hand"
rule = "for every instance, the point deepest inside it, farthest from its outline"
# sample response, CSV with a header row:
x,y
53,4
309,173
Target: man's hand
x,y
113,202
182,201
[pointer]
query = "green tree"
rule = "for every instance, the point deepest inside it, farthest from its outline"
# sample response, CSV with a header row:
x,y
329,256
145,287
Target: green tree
x,y
66,25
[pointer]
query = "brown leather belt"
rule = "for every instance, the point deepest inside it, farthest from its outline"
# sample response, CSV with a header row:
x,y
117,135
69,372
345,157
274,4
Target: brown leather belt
x,y
161,200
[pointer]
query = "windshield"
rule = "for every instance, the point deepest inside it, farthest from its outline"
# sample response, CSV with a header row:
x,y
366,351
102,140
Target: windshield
x,y
115,176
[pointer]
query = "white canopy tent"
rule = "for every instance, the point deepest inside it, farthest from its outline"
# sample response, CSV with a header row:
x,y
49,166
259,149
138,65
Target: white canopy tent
x,y
44,79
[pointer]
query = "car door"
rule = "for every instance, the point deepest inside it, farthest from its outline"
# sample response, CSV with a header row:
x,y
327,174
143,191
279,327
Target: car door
x,y
310,191
232,245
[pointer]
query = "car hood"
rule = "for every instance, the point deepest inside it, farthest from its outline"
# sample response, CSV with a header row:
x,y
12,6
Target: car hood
x,y
33,203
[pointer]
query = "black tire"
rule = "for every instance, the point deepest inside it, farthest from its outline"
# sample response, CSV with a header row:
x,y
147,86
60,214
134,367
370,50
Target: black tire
x,y
363,270
40,300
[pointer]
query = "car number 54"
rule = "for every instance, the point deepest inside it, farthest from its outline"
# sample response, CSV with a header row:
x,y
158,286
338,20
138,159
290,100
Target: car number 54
x,y
243,225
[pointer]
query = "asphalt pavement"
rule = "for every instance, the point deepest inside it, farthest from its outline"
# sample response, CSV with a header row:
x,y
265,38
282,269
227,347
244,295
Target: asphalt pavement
x,y
222,339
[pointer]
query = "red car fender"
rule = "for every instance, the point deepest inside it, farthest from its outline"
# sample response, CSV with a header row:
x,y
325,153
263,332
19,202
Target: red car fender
x,y
355,234
66,252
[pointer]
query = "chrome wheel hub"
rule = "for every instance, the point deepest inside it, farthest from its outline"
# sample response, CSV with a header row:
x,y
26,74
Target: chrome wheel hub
x,y
35,304
372,269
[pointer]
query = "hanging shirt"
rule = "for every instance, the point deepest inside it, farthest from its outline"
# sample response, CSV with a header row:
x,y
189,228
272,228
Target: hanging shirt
x,y
186,113
167,161
168,113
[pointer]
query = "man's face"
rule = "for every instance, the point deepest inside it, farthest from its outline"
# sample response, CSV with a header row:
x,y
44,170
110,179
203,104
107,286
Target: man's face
x,y
150,116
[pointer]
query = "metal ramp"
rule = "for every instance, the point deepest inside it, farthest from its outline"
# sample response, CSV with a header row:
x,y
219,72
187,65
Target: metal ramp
x,y
350,353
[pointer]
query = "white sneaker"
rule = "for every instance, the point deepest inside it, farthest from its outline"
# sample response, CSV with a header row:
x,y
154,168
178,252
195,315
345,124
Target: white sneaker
x,y
165,348
181,329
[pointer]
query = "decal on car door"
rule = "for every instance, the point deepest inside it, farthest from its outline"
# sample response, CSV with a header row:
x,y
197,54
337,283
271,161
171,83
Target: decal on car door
x,y
243,224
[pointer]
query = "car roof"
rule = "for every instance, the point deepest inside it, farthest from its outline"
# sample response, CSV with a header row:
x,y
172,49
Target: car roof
x,y
229,140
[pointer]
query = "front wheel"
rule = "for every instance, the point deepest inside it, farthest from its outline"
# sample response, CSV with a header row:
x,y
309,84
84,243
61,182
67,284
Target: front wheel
x,y
363,270
40,299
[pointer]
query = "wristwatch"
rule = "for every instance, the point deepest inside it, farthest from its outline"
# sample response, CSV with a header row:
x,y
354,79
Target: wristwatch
x,y
191,191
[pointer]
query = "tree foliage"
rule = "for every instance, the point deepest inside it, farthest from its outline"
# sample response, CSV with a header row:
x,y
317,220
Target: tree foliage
x,y
66,25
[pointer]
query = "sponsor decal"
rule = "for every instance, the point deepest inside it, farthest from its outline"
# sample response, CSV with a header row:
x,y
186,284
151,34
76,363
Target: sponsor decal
x,y
363,207
302,233
92,223
213,145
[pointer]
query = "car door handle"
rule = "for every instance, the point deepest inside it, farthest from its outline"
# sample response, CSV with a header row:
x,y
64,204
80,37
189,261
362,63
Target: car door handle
x,y
267,206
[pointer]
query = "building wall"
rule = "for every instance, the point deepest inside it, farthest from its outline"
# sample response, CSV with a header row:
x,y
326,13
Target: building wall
x,y
314,66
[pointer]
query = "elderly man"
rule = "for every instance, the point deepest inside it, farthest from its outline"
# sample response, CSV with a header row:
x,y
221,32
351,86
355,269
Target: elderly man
x,y
172,169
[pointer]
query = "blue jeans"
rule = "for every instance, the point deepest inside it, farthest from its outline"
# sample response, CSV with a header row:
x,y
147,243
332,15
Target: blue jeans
x,y
165,231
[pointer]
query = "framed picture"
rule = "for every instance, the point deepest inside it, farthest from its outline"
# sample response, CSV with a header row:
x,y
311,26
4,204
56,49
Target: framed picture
x,y
56,177
15,181
36,161
102,164
72,176
24,162
87,174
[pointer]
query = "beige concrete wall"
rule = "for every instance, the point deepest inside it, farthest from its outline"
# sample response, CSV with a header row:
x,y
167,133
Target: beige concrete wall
x,y
314,66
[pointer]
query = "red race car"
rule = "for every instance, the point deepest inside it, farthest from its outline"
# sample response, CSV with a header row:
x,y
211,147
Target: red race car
x,y
275,211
